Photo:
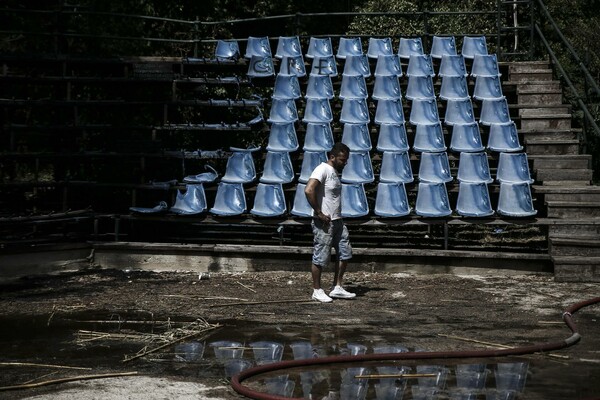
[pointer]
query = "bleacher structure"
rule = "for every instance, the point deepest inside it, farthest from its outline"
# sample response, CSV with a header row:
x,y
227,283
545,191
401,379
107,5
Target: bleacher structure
x,y
454,155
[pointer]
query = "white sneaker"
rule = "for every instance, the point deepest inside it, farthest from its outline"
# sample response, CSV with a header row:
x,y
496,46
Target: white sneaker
x,y
341,293
319,295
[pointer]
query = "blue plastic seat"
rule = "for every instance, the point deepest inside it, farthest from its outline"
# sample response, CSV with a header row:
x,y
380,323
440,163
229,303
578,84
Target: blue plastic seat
x,y
494,111
286,87
386,87
319,87
357,65
429,138
473,45
204,177
504,138
459,112
354,200
319,47
396,168
324,66
282,137
301,207
277,168
288,46
474,168
358,169
353,87
420,87
292,66
432,200
474,200
410,46
229,200
441,45
487,88
391,200
452,65
317,111
258,46
388,65
515,200
357,137
434,167
420,65
392,137
485,65
227,50
269,200
282,111
318,137
424,112
349,46
513,168
379,46
161,207
310,160
454,88
389,112
240,166
260,67
354,111
466,138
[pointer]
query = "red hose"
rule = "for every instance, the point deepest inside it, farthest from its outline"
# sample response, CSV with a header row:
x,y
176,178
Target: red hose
x,y
236,381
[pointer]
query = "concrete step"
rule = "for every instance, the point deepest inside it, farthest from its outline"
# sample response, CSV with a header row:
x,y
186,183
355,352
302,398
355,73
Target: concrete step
x,y
577,246
545,121
533,75
574,230
575,161
541,97
537,86
541,109
576,269
589,194
559,174
582,210
550,134
528,66
556,147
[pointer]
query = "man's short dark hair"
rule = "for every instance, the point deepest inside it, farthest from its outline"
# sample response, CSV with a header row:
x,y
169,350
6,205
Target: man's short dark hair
x,y
338,148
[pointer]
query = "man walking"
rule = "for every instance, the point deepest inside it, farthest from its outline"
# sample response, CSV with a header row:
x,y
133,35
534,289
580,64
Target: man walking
x,y
324,194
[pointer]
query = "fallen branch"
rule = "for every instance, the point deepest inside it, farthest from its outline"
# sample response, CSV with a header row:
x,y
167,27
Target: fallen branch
x,y
20,364
244,286
64,380
250,303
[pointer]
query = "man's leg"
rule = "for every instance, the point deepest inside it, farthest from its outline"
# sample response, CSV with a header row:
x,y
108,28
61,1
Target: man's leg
x,y
340,268
316,276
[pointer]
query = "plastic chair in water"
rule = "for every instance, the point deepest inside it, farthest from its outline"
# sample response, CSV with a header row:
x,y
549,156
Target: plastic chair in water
x,y
432,200
513,168
429,138
386,87
292,65
230,199
310,161
227,50
434,167
358,169
474,200
317,111
258,46
301,207
473,45
392,137
391,200
396,168
466,138
354,200
318,137
459,112
420,87
357,137
420,65
504,138
487,88
515,200
379,46
319,87
288,46
454,88
269,200
277,168
266,352
283,111
410,46
282,137
474,168
324,66
452,65
441,45
388,65
353,87
319,47
349,46
357,65
389,112
260,67
355,111
240,166
424,112
485,65
286,87
494,111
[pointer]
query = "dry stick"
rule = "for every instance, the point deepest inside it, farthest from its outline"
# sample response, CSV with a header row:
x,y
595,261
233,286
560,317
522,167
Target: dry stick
x,y
262,302
204,298
249,288
407,376
64,380
19,364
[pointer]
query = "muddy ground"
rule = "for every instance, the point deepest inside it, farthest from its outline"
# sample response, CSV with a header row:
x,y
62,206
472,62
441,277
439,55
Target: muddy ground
x,y
434,312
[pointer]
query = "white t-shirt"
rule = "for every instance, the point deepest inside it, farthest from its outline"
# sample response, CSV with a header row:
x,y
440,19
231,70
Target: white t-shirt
x,y
329,195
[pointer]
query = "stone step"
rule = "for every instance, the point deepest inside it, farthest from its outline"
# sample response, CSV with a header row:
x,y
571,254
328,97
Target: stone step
x,y
576,269
536,109
582,210
525,66
550,134
576,246
537,87
556,147
575,161
589,194
545,121
532,75
574,230
560,174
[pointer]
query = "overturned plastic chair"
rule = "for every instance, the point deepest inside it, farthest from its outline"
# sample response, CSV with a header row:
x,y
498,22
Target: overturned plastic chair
x,y
485,65
269,200
424,112
504,138
286,87
229,200
466,138
452,65
386,87
324,66
355,111
474,200
434,167
441,45
513,168
474,45
260,67
288,46
429,138
420,87
354,200
454,88
410,46
389,112
353,87
310,161
388,65
301,207
161,207
379,46
391,200
494,111
283,111
227,50
204,177
515,200
258,46
358,169
357,65
487,88
317,111
292,66
318,137
432,200
396,168
240,166
319,87
192,201
277,168
282,137
357,137
319,47
420,65
349,46
474,168
392,137
459,112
